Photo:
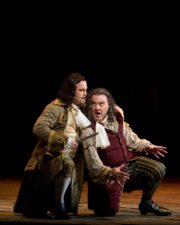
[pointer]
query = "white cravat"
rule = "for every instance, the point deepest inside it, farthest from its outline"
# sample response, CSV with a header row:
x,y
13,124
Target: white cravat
x,y
102,140
81,120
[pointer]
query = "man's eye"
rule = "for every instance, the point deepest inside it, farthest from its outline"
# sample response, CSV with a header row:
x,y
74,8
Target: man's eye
x,y
93,104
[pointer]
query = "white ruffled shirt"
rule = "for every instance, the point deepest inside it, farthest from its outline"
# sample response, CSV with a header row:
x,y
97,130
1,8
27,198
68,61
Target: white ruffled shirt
x,y
81,120
102,140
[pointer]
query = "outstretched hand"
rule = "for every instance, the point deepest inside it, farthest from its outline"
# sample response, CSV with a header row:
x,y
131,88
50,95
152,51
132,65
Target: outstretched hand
x,y
117,175
156,150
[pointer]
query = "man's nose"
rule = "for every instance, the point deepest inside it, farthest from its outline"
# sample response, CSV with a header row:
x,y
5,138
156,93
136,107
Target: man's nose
x,y
97,106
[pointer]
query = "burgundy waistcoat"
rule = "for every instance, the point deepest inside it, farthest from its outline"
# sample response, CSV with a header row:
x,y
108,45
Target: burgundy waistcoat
x,y
117,153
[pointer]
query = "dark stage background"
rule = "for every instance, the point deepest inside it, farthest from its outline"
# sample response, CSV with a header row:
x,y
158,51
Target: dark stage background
x,y
130,48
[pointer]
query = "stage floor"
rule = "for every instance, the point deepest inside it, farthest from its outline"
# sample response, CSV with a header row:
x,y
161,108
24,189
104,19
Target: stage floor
x,y
167,195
